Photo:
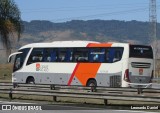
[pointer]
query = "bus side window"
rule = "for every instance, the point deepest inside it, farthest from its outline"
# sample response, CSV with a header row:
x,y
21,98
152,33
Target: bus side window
x,y
119,53
36,56
80,55
114,54
65,55
117,56
61,55
47,55
54,56
96,55
109,55
50,55
68,55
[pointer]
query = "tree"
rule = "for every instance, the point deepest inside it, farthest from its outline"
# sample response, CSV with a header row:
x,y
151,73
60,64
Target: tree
x,y
10,23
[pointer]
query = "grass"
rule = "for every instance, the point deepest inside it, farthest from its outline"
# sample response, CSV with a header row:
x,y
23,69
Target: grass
x,y
6,72
49,99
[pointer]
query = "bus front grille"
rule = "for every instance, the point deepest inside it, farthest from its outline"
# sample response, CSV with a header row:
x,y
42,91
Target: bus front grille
x,y
140,65
115,81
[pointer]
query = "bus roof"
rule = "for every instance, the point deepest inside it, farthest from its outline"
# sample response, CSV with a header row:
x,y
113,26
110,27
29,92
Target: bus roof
x,y
71,44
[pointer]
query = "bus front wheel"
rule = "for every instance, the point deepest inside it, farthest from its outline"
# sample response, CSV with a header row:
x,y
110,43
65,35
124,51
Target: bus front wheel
x,y
30,80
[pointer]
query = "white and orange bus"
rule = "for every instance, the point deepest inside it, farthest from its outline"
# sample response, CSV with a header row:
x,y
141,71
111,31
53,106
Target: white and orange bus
x,y
85,63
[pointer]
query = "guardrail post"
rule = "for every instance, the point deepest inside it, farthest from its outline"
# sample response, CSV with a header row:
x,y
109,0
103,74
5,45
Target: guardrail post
x,y
105,101
52,87
139,90
93,89
54,98
15,85
10,94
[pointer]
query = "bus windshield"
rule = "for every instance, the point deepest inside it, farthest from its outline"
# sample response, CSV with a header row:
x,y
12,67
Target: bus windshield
x,y
19,59
139,51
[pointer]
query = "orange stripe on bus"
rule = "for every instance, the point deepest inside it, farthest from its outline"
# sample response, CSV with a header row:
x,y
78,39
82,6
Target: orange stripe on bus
x,y
99,45
86,71
72,76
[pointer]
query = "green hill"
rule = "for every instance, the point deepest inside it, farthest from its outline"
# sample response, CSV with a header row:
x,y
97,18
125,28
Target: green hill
x,y
96,30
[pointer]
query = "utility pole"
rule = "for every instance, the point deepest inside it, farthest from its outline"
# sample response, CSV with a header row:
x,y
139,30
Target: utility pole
x,y
153,30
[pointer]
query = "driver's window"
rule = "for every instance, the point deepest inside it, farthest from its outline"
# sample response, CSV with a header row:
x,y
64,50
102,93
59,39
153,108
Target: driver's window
x,y
18,63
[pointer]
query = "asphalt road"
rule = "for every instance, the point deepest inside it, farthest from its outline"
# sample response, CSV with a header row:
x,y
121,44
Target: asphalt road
x,y
66,109
77,111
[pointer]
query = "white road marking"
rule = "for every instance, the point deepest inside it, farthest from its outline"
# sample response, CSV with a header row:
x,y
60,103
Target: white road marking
x,y
131,111
7,102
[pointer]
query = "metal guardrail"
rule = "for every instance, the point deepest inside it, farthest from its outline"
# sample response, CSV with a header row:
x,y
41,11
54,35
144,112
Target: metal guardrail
x,y
104,93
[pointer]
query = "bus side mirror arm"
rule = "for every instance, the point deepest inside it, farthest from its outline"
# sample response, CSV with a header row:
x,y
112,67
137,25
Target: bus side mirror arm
x,y
9,59
10,56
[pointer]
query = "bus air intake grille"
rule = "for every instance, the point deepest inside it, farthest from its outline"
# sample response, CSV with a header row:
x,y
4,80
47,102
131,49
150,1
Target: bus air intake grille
x,y
140,65
115,81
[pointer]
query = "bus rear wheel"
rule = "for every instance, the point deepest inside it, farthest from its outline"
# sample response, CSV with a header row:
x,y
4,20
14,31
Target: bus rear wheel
x,y
30,80
93,84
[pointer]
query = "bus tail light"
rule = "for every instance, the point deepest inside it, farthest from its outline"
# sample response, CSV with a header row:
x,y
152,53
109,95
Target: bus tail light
x,y
126,75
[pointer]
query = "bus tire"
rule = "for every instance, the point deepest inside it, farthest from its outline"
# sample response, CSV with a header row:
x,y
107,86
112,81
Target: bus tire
x,y
93,84
30,80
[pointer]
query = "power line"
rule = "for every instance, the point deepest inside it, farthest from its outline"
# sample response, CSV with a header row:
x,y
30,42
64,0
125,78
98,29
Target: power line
x,y
104,14
95,6
142,9
82,8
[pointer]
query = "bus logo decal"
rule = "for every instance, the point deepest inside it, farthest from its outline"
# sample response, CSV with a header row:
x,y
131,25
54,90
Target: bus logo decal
x,y
140,71
37,67
42,68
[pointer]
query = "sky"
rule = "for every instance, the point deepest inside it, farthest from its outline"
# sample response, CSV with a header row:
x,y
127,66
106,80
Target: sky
x,y
67,10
